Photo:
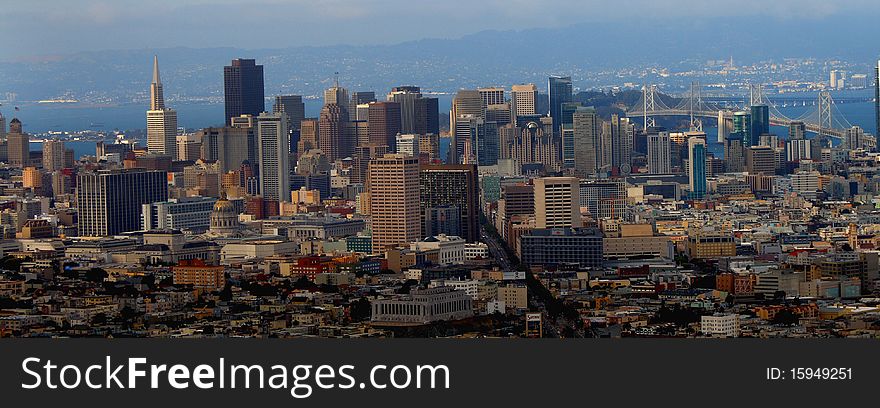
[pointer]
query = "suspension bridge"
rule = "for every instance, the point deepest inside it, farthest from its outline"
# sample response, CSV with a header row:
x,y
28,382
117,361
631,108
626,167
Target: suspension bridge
x,y
824,119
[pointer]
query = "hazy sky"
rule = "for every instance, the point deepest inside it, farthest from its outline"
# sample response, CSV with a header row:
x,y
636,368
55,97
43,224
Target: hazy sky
x,y
38,27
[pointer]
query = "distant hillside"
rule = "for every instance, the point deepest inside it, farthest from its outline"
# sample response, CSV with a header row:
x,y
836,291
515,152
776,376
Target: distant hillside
x,y
485,58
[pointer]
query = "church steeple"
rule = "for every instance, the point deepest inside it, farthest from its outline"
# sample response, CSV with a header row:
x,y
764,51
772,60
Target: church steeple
x,y
157,100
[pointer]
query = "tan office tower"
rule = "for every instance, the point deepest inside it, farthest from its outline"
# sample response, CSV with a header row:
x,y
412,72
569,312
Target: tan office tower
x,y
308,136
161,121
53,155
334,138
18,144
338,95
522,99
394,201
557,202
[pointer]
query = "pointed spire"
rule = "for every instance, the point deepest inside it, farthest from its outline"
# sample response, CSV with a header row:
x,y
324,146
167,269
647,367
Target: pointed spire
x,y
156,70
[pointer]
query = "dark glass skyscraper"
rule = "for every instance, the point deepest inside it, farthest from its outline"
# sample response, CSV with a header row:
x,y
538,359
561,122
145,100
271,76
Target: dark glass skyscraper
x,y
243,87
760,123
445,185
560,92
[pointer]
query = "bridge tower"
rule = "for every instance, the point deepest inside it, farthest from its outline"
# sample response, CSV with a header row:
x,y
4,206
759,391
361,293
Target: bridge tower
x,y
649,105
756,94
825,118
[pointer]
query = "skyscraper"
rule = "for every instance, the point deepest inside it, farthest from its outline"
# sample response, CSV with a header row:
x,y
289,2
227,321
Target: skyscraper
x,y
334,134
560,92
18,144
557,202
230,145
359,98
161,120
734,153
492,96
877,98
294,108
742,122
110,202
466,102
722,127
796,130
522,99
2,126
272,153
760,122
243,86
339,96
618,149
394,201
586,141
697,167
53,155
406,97
451,185
384,124
659,153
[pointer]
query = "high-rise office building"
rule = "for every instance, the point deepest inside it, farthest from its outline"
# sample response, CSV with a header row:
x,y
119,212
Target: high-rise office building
x,y
659,153
18,145
475,141
339,96
734,153
334,135
451,185
294,108
586,132
522,99
617,150
697,167
109,201
761,160
560,91
797,130
243,88
308,135
161,120
492,96
2,126
359,98
229,145
465,102
53,155
384,124
877,98
797,150
603,199
405,97
427,120
760,122
273,157
557,202
393,192
722,127
742,122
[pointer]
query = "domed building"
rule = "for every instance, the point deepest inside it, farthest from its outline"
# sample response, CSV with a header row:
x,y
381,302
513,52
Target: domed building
x,y
224,218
